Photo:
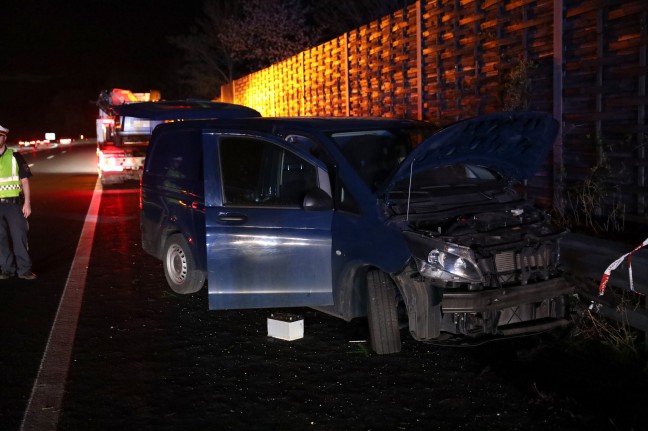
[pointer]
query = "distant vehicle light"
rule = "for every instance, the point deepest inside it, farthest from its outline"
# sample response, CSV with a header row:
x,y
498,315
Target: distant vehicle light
x,y
65,141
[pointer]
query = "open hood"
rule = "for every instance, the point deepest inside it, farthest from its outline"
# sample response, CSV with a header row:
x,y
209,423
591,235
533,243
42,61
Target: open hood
x,y
513,143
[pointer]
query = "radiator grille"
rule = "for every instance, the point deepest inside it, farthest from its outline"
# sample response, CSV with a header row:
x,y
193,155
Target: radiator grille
x,y
511,261
522,265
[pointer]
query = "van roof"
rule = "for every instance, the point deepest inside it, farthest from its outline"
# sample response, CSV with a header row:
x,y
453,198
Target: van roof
x,y
273,124
515,143
184,110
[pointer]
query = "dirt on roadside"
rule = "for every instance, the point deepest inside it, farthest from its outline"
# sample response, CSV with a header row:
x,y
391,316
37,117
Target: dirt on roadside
x,y
148,359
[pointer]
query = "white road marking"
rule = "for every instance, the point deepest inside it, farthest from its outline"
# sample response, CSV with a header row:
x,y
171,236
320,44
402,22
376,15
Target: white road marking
x,y
44,405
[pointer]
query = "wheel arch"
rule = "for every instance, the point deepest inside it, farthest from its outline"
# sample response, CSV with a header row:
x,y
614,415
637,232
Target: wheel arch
x,y
351,293
180,270
350,296
170,229
422,300
422,303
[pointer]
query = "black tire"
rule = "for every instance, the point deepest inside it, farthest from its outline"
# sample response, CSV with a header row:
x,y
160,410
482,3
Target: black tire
x,y
382,313
180,267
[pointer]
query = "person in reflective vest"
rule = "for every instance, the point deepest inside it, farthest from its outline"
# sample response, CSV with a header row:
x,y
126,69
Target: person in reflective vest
x,y
15,208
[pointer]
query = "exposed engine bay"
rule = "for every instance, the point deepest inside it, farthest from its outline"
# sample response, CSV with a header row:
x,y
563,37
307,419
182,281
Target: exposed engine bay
x,y
492,257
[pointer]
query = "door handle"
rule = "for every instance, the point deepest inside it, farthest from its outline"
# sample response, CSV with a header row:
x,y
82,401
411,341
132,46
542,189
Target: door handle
x,y
231,218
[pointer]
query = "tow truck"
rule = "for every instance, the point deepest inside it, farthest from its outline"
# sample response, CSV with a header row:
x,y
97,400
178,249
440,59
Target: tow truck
x,y
126,121
121,141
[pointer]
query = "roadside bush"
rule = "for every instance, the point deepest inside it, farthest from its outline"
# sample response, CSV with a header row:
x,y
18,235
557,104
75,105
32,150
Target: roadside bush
x,y
614,338
591,205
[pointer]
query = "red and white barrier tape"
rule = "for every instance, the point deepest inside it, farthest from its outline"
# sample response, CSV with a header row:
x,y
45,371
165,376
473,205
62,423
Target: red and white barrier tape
x,y
615,264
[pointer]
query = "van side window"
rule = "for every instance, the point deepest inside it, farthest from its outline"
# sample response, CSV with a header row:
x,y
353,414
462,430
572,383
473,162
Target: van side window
x,y
178,156
259,173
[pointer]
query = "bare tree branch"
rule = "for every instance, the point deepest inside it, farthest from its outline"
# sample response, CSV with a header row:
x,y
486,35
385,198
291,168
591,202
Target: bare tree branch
x,y
236,37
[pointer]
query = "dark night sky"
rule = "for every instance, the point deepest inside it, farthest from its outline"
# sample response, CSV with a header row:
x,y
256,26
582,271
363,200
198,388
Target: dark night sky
x,y
56,56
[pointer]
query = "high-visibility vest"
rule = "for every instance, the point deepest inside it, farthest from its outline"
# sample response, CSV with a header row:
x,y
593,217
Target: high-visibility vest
x,y
10,185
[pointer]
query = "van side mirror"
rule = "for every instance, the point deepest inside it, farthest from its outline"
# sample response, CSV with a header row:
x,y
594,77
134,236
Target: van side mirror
x,y
317,200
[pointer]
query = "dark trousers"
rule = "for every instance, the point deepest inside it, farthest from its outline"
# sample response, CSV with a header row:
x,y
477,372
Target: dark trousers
x,y
14,249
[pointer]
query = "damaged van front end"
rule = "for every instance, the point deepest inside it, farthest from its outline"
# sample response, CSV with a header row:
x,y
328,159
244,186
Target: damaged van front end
x,y
502,281
484,259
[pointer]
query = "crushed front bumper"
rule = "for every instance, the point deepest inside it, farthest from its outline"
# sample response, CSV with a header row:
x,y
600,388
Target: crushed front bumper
x,y
506,297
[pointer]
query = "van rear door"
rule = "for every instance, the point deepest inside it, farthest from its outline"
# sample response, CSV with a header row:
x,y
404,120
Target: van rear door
x,y
263,248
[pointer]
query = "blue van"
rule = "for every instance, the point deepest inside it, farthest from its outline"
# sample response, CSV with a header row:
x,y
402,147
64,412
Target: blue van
x,y
391,219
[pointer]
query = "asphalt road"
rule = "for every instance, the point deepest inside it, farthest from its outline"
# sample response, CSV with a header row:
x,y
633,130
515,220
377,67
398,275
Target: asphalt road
x,y
62,186
144,358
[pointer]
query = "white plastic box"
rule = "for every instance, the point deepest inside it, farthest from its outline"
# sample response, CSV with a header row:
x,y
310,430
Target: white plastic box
x,y
286,326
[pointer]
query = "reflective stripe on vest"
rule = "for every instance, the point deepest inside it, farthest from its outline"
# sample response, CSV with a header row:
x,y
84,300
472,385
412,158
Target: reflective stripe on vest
x,y
9,181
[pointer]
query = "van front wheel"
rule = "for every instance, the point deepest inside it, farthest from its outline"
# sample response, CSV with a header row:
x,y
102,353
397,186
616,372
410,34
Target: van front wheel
x,y
180,268
382,313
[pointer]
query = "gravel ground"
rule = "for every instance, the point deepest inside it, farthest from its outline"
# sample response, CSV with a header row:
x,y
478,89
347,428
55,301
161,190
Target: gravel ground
x,y
148,359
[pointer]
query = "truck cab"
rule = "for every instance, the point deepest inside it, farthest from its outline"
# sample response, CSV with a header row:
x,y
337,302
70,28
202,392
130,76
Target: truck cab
x,y
126,122
122,158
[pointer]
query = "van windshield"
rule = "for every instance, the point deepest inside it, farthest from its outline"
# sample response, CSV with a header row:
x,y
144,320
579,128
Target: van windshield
x,y
375,154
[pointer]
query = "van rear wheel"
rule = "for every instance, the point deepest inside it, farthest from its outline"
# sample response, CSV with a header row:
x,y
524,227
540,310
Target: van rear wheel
x,y
180,267
382,313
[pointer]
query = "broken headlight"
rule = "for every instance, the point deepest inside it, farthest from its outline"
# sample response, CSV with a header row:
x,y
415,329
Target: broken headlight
x,y
450,263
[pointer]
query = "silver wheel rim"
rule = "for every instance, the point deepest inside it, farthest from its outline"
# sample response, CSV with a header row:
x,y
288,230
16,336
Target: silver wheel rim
x,y
176,264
